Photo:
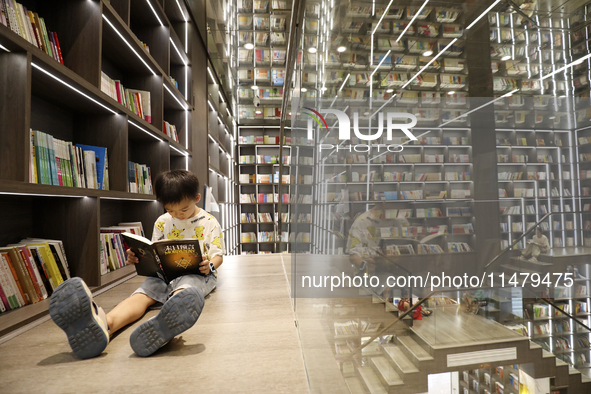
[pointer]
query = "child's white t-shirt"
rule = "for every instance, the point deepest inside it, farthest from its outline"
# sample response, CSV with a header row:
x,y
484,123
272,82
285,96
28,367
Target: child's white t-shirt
x,y
204,227
541,241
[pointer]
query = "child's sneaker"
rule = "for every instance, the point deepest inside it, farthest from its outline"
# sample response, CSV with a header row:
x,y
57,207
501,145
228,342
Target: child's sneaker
x,y
72,309
177,315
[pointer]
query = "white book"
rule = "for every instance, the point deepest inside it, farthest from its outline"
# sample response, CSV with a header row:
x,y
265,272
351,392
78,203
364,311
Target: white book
x,y
90,168
6,284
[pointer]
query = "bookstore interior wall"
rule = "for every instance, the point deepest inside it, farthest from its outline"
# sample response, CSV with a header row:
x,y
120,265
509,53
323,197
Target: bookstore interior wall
x,y
99,97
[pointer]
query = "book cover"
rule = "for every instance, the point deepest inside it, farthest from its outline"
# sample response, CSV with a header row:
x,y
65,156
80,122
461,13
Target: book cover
x,y
100,154
145,103
166,259
39,30
25,274
48,261
8,285
33,272
58,251
59,49
32,159
46,38
13,277
43,270
90,168
4,305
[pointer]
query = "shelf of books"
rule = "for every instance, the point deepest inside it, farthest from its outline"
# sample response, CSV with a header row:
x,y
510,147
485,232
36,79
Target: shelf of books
x,y
89,126
500,380
426,190
536,176
261,37
222,162
365,60
525,58
259,167
556,332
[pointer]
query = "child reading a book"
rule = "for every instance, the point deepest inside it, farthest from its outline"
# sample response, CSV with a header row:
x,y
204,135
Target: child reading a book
x,y
88,327
538,244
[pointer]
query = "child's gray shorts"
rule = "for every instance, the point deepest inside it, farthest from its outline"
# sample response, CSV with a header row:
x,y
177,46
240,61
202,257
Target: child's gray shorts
x,y
158,290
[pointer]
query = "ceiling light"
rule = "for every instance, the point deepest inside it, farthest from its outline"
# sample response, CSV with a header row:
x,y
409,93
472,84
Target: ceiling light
x,y
389,90
552,117
258,112
312,50
427,53
563,96
506,57
341,49
324,88
451,92
366,113
248,46
290,114
254,87
304,90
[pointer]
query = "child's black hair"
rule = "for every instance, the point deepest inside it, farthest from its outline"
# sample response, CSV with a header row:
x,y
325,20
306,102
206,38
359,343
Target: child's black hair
x,y
172,187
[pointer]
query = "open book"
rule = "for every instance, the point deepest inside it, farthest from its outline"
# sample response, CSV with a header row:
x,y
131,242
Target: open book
x,y
166,259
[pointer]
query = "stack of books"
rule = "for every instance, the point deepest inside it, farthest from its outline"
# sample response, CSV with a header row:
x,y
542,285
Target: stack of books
x,y
61,163
31,27
137,101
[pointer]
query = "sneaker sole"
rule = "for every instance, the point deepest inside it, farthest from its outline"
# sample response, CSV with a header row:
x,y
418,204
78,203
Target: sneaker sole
x,y
177,315
70,307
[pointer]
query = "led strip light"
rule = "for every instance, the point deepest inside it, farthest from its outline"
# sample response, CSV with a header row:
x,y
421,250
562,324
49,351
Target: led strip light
x,y
412,20
128,44
180,151
174,97
73,88
145,131
155,14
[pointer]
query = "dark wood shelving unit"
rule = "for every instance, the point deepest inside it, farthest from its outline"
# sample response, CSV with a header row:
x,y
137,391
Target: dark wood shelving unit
x,y
66,101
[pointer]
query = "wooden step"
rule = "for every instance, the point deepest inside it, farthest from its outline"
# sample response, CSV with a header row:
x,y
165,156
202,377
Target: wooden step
x,y
518,269
391,307
560,363
355,386
533,345
416,349
572,371
372,381
401,361
538,263
389,376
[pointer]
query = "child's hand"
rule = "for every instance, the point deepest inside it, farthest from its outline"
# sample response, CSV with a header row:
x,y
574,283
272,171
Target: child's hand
x,y
131,258
204,266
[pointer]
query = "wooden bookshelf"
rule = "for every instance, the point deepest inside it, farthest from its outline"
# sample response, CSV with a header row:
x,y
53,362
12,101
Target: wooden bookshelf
x,y
265,25
258,168
66,102
433,174
537,175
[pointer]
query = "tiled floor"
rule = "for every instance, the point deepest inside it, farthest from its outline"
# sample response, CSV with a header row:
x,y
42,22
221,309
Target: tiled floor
x,y
244,342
